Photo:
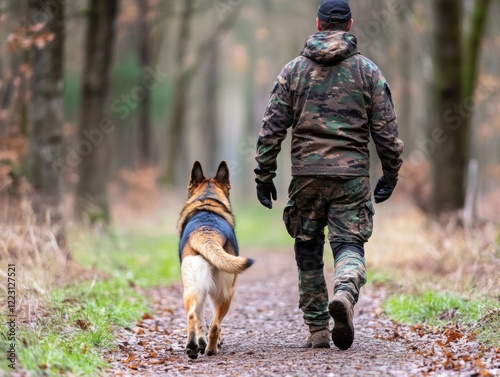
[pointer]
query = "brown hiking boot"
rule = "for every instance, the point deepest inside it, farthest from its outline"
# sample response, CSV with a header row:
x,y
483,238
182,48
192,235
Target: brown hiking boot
x,y
318,338
342,312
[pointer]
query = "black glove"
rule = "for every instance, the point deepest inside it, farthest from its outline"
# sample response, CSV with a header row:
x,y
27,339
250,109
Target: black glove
x,y
266,191
384,188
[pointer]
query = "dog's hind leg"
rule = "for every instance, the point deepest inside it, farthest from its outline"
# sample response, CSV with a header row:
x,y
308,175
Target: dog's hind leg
x,y
221,297
197,281
201,329
191,300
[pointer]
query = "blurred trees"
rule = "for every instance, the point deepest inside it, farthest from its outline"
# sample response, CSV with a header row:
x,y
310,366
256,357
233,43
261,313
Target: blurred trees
x,y
211,105
179,80
456,61
186,71
449,161
145,59
92,145
181,90
15,93
46,137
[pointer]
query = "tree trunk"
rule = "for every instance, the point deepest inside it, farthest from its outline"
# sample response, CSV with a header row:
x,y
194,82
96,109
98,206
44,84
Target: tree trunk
x,y
158,29
95,128
470,70
144,121
177,116
46,137
449,155
184,77
407,67
456,77
472,43
211,106
15,90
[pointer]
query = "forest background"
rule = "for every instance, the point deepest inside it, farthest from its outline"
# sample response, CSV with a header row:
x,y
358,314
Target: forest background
x,y
105,105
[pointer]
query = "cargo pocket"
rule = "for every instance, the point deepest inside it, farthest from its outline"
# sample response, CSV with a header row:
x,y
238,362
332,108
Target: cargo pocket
x,y
366,220
291,218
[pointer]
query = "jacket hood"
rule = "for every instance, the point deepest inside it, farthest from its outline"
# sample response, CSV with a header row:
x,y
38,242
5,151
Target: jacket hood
x,y
330,47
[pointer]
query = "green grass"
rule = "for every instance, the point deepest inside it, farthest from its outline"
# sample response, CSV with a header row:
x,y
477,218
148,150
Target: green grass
x,y
153,260
442,309
259,228
374,276
432,308
489,328
145,260
75,327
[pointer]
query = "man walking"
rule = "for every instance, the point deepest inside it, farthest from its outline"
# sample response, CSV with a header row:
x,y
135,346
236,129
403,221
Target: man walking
x,y
332,98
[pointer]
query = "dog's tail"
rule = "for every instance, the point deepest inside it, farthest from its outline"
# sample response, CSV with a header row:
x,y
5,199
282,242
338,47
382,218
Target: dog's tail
x,y
210,247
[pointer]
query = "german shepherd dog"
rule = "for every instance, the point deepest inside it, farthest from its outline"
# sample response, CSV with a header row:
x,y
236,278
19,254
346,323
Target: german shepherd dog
x,y
209,256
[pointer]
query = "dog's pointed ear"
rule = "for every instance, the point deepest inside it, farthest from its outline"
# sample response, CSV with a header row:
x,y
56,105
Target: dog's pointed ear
x,y
196,175
222,175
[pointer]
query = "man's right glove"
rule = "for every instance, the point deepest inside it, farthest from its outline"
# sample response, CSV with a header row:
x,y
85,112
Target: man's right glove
x,y
266,191
384,188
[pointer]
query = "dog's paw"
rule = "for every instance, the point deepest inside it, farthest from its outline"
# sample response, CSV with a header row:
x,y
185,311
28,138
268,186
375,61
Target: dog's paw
x,y
193,354
202,345
211,352
192,349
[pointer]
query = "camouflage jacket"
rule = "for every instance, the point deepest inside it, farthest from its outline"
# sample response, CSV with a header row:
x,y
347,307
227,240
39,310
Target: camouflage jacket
x,y
333,98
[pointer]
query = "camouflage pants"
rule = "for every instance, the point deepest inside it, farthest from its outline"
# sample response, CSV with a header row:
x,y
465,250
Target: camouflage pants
x,y
350,276
344,206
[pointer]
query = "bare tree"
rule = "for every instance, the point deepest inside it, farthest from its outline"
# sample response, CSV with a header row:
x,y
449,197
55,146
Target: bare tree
x,y
211,103
46,137
456,60
95,128
14,96
184,78
181,89
449,159
144,49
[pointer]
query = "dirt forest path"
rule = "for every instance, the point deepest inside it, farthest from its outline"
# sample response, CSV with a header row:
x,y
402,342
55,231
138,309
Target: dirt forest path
x,y
263,332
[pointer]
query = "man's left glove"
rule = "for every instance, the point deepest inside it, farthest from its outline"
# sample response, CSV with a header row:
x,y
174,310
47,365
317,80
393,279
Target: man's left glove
x,y
266,191
384,188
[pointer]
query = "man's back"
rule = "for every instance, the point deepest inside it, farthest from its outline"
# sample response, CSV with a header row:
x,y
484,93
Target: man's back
x,y
332,97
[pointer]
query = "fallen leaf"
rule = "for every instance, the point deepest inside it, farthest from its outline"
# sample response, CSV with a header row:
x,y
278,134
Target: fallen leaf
x,y
83,324
159,361
138,330
452,335
134,366
129,359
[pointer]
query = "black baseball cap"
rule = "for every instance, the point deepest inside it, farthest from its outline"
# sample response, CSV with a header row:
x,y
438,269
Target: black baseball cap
x,y
334,11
